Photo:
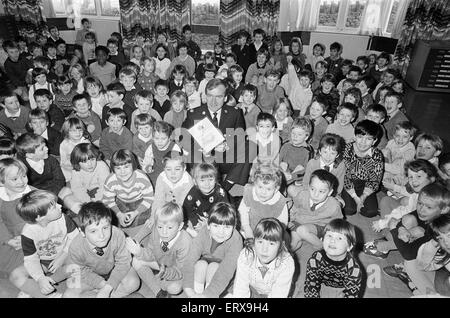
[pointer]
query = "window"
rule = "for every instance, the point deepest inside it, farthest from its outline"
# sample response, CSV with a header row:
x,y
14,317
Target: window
x,y
354,13
392,16
205,20
98,8
328,12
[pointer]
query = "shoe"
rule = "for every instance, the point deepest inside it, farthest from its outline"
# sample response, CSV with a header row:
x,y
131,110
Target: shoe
x,y
394,271
408,282
370,248
23,295
162,294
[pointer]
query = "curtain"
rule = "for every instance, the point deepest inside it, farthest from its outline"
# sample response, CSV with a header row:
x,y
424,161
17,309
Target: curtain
x,y
425,20
401,14
237,15
374,17
27,14
174,15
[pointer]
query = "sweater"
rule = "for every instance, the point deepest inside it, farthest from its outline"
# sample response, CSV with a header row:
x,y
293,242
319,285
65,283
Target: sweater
x,y
64,102
275,283
344,274
93,124
56,117
347,132
301,211
140,145
255,71
16,124
11,224
398,117
115,262
226,254
396,157
197,204
136,188
106,73
315,164
166,191
17,71
82,181
267,100
299,96
148,82
125,107
252,210
188,62
319,129
51,179
33,89
110,141
295,156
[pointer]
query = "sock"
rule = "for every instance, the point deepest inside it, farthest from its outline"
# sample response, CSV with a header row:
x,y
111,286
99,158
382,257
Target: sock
x,y
199,287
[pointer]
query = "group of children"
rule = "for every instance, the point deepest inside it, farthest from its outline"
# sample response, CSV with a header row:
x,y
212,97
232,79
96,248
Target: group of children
x,y
97,191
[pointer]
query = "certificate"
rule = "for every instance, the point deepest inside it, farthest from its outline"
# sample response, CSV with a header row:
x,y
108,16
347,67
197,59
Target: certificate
x,y
206,134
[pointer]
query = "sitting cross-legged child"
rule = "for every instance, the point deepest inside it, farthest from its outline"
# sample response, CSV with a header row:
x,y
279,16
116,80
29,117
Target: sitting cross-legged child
x,y
313,209
46,238
212,260
334,272
100,256
166,252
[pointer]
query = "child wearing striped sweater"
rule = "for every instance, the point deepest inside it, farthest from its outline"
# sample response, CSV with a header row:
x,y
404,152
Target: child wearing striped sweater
x,y
128,191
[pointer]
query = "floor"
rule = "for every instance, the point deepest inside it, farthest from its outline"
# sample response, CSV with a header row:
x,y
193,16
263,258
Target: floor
x,y
430,112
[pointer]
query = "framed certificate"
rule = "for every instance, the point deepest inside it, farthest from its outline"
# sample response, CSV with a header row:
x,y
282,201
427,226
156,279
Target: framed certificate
x,y
206,134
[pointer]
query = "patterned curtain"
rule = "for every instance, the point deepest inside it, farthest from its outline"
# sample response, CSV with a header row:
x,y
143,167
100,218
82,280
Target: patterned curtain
x,y
237,15
147,16
425,20
27,14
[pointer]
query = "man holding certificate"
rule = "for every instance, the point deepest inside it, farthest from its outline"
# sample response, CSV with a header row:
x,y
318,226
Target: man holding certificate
x,y
216,132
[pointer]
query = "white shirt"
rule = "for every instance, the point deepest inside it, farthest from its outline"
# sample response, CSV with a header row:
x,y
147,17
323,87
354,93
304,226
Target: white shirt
x,y
219,113
38,166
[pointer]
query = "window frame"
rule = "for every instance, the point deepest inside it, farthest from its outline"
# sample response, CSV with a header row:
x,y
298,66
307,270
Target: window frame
x,y
97,16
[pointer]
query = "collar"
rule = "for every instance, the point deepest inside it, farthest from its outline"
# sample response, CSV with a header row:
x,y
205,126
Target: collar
x,y
393,114
219,112
36,165
45,134
172,241
6,197
144,139
380,69
117,53
178,83
322,164
270,266
368,153
274,199
9,115
318,205
113,132
263,142
184,180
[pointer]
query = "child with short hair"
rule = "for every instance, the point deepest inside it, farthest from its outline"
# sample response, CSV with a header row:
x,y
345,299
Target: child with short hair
x,y
137,53
102,69
334,272
335,60
14,116
264,144
317,110
219,53
98,97
74,132
82,110
318,52
213,255
295,154
249,108
46,238
353,96
44,98
330,155
143,137
365,168
65,94
14,182
265,268
206,192
115,56
236,73
88,177
429,147
444,168
178,112
128,192
270,91
190,88
382,63
398,151
330,94
143,100
44,171
162,144
176,79
102,257
208,57
210,71
16,68
300,85
363,84
283,115
128,78
182,59
115,93
262,199
89,48
161,100
387,79
174,183
116,136
167,250
319,72
377,113
296,51
348,71
347,113
162,61
393,103
7,148
313,209
39,82
256,71
363,63
39,124
147,77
